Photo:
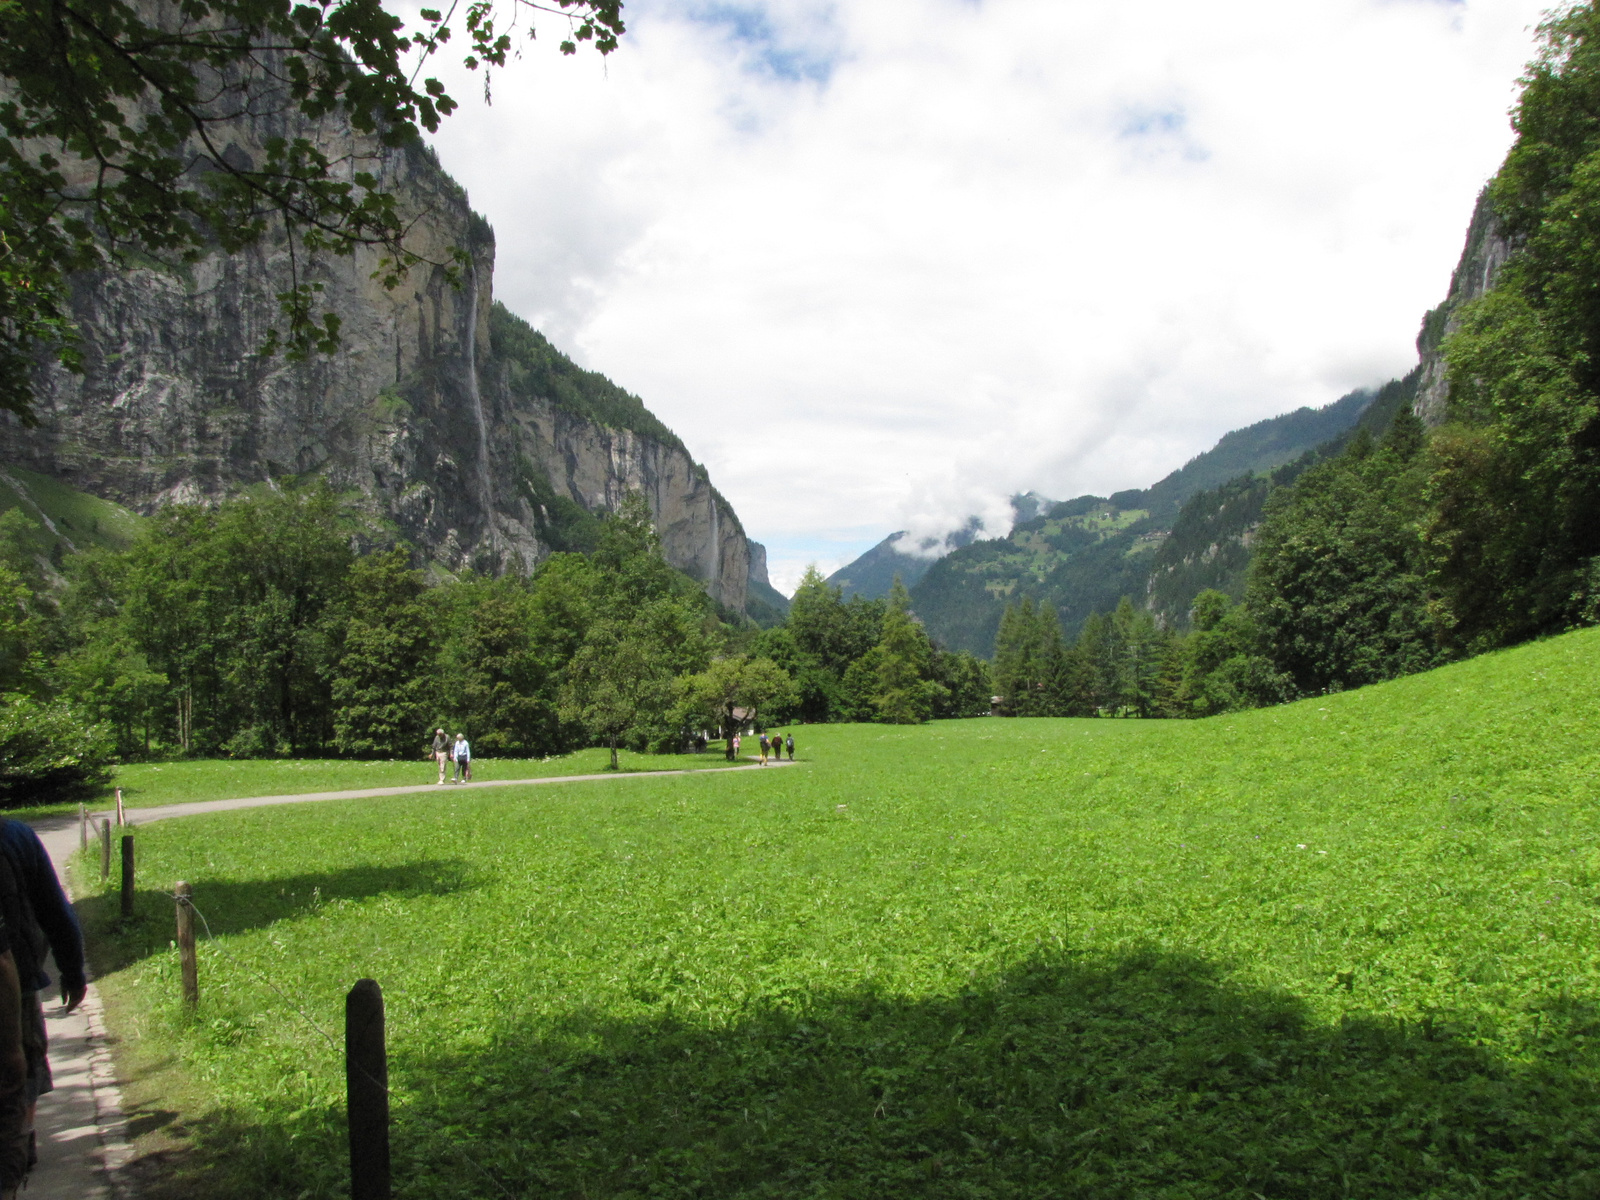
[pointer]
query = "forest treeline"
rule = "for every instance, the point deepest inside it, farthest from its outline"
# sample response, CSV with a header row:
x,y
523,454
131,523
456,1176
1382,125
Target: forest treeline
x,y
1336,595
277,623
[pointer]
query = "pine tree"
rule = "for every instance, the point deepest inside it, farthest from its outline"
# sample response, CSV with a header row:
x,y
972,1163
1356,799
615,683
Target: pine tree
x,y
906,693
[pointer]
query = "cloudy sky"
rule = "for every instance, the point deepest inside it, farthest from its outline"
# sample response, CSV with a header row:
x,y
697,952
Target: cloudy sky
x,y
883,263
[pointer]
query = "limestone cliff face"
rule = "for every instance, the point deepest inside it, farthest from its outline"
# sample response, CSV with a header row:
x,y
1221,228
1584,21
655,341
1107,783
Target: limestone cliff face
x,y
597,466
414,411
1487,249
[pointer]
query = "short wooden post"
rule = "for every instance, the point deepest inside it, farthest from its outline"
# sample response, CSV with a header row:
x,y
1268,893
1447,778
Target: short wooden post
x,y
121,818
105,849
83,827
186,959
366,1073
127,875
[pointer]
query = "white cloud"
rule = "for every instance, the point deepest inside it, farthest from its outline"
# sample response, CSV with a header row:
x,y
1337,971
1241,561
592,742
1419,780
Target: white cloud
x,y
882,264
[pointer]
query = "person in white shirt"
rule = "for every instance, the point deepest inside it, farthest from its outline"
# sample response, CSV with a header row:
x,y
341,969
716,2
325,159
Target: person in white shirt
x,y
463,756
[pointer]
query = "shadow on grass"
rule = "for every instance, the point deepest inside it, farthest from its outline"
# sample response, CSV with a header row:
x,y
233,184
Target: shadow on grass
x,y
1142,1076
235,907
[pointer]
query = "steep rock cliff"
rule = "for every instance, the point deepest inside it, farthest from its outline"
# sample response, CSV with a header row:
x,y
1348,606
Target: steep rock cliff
x,y
416,411
1487,249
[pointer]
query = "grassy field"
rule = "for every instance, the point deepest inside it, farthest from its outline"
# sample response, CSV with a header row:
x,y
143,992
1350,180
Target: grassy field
x,y
149,784
1342,948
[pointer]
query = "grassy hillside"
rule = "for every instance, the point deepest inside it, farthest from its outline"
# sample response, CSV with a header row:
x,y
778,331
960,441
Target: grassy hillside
x,y
1340,948
80,520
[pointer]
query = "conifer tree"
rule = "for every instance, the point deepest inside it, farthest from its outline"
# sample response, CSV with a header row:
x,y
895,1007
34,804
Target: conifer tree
x,y
905,694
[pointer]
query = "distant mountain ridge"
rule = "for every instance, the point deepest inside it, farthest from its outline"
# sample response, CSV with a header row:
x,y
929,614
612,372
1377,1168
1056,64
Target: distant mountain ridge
x,y
1257,449
1084,555
873,574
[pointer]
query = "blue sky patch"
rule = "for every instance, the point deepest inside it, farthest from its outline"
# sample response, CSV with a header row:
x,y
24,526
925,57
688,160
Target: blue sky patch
x,y
1160,130
772,50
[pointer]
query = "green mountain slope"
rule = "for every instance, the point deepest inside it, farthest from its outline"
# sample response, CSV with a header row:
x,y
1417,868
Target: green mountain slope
x,y
765,604
1084,555
1257,449
538,369
874,573
63,518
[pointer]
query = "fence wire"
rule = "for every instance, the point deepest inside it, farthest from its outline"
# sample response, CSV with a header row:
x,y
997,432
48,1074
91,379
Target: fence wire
x,y
435,1135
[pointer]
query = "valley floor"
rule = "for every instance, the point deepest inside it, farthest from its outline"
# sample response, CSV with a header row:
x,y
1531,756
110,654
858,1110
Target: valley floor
x,y
1344,947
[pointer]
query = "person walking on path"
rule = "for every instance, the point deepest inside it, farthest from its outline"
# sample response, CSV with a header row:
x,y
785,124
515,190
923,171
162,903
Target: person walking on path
x,y
764,746
39,920
441,752
736,741
790,740
463,756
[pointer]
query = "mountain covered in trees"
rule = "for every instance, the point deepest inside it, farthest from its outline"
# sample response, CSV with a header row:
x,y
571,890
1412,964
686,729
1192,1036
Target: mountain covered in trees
x,y
1083,555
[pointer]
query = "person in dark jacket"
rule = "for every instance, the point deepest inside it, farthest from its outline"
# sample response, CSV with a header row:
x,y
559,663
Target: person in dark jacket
x,y
40,919
15,1141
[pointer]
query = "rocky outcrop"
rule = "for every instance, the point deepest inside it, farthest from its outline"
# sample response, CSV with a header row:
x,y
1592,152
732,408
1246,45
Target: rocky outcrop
x,y
597,466
414,412
1487,249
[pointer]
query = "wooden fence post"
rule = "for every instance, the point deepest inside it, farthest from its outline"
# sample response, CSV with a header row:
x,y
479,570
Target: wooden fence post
x,y
366,1073
186,959
105,849
83,827
127,875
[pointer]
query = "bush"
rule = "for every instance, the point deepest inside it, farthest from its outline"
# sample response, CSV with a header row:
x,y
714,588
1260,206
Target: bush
x,y
255,741
48,753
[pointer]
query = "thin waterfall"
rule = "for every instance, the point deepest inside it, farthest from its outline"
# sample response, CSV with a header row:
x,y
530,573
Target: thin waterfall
x,y
485,493
716,545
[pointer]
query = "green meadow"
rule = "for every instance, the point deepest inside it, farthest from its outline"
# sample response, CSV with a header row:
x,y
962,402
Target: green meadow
x,y
1346,947
147,785
189,781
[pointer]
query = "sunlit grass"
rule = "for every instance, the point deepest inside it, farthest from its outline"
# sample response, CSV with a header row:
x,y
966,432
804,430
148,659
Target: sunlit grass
x,y
183,782
1345,947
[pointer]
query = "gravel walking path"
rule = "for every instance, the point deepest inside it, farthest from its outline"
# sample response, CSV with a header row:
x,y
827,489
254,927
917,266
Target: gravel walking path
x,y
83,1140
